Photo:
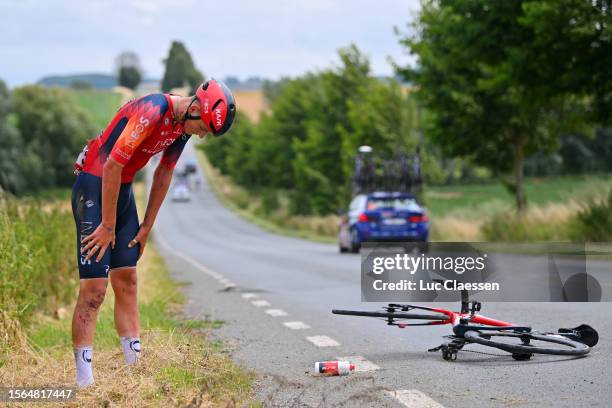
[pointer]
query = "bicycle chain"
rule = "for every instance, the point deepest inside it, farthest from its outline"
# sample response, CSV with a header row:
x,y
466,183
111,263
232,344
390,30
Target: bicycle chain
x,y
487,354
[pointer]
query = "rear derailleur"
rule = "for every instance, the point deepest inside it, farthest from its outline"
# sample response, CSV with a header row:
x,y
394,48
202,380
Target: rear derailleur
x,y
451,348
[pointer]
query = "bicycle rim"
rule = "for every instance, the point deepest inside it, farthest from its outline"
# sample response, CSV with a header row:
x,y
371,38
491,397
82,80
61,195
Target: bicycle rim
x,y
515,343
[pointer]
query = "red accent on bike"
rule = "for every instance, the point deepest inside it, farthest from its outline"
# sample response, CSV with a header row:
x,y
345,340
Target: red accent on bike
x,y
401,325
418,218
479,319
363,217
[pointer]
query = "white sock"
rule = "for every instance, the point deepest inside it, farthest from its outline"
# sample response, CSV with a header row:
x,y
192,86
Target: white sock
x,y
84,372
131,349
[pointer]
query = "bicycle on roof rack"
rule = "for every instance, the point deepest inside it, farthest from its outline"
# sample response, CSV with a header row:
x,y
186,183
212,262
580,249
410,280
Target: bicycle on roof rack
x,y
470,327
400,172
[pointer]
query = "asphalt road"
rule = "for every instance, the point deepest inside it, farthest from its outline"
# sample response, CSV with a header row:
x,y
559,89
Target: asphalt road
x,y
257,281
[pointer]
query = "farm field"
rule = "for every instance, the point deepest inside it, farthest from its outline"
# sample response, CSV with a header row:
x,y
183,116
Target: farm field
x,y
101,105
483,199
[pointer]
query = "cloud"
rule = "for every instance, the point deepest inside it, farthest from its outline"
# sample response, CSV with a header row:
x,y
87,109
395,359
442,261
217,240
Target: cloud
x,y
265,37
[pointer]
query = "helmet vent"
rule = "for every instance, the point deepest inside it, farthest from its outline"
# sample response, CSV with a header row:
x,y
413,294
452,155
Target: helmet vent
x,y
217,103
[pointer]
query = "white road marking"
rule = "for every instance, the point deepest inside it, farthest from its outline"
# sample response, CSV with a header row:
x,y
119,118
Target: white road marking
x,y
249,296
414,399
296,325
361,364
188,259
260,303
322,341
276,312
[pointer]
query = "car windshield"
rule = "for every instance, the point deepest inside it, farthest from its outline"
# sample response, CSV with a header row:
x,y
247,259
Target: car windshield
x,y
398,203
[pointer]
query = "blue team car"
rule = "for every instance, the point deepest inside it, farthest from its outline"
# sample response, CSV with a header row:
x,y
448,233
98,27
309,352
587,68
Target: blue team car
x,y
382,216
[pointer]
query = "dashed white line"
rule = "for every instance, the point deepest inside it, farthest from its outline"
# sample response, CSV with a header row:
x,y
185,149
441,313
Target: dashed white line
x,y
276,312
260,303
414,399
249,296
361,364
322,341
296,325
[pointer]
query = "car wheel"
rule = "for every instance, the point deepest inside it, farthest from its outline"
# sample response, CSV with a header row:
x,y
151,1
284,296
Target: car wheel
x,y
355,244
342,249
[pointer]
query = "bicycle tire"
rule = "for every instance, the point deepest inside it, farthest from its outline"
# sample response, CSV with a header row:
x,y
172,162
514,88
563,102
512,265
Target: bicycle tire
x,y
411,316
574,348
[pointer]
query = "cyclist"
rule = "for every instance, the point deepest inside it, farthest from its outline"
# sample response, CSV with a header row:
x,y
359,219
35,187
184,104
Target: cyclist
x,y
110,239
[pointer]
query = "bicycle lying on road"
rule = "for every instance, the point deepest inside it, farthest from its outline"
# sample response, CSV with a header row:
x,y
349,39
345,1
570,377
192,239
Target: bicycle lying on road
x,y
470,327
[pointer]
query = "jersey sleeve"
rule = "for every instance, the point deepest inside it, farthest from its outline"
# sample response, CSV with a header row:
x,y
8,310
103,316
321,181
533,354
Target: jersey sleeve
x,y
143,119
173,152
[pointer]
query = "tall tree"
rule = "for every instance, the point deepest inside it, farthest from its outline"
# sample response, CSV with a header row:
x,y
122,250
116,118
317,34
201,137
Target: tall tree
x,y
128,68
572,50
11,178
487,99
54,129
129,77
180,69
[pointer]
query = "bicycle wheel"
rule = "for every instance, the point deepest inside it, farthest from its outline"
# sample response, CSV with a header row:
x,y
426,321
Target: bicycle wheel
x,y
524,344
388,315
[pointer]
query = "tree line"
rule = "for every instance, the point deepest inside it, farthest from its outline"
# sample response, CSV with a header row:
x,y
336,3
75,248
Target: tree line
x,y
503,89
41,132
42,129
505,80
306,144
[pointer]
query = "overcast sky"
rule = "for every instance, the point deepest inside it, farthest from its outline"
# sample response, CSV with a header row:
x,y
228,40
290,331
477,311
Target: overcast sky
x,y
266,38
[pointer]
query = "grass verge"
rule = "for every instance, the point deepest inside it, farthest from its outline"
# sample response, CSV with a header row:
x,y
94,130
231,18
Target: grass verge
x,y
179,364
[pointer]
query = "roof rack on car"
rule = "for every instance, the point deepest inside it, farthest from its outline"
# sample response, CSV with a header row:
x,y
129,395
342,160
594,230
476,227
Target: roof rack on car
x,y
400,173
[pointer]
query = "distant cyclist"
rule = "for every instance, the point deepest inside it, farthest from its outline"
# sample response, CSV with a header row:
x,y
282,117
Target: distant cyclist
x,y
110,239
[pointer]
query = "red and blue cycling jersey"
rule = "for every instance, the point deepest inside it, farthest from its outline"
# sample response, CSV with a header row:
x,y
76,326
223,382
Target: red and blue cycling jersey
x,y
139,130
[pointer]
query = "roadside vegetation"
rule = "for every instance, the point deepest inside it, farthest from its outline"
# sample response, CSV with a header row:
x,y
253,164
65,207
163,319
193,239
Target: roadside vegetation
x,y
269,210
562,208
99,105
496,136
38,286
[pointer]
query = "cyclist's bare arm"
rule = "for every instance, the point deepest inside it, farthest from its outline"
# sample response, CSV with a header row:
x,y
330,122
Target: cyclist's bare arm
x,y
111,182
161,181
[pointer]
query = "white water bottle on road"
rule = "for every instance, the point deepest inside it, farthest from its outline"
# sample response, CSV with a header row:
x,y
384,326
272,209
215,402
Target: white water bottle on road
x,y
332,368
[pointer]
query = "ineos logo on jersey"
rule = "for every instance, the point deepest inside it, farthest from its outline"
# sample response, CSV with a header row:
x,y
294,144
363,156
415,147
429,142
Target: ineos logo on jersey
x,y
138,130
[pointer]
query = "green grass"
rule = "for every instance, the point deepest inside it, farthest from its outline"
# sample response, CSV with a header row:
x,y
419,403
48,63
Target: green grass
x,y
36,244
445,200
55,193
101,105
158,311
179,361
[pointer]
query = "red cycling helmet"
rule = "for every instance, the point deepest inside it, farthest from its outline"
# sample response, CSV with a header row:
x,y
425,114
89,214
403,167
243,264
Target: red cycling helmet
x,y
217,106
